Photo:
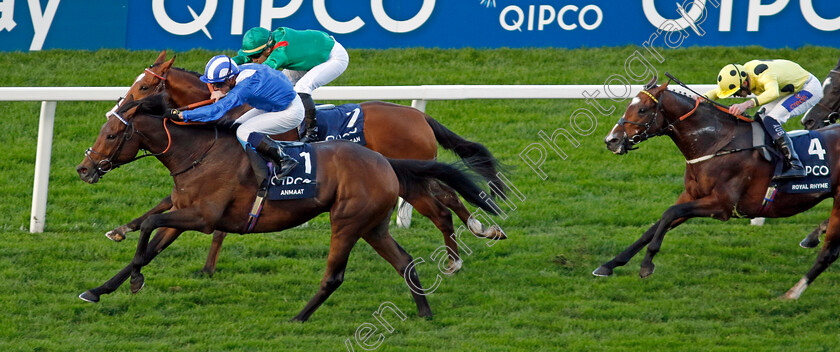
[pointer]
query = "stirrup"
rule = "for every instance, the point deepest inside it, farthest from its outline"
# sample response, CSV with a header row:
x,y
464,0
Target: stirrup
x,y
278,177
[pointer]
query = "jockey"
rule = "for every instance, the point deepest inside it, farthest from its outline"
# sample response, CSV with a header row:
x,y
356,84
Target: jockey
x,y
277,109
309,58
783,87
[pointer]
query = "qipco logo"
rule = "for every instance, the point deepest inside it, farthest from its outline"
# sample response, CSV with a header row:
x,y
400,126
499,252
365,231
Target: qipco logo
x,y
569,17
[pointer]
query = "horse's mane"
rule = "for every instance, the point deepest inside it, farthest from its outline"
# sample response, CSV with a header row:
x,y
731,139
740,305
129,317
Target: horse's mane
x,y
155,104
185,70
705,105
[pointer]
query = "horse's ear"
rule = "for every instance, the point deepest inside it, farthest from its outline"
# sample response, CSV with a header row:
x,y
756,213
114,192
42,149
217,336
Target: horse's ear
x,y
166,65
161,57
651,84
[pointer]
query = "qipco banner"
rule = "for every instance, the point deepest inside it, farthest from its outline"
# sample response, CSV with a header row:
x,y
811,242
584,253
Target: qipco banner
x,y
219,24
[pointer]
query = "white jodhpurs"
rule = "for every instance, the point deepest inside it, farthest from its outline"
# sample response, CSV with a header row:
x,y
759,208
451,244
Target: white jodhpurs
x,y
795,104
307,81
256,120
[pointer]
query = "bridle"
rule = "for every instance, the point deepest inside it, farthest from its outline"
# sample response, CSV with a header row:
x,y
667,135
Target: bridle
x,y
105,165
645,134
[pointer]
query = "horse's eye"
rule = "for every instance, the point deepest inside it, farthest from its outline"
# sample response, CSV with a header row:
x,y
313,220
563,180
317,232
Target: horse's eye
x,y
112,136
642,110
144,87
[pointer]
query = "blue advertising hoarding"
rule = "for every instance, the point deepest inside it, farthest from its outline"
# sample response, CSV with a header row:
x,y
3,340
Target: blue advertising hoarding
x,y
219,24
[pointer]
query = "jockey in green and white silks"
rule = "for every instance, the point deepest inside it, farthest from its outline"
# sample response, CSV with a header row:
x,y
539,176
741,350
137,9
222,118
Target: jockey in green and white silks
x,y
309,58
783,87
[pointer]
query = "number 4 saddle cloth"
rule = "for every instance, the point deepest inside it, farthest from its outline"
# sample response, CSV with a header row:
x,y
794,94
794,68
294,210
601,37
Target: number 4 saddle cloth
x,y
812,151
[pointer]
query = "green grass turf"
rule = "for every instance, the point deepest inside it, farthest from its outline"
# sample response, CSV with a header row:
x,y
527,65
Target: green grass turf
x,y
715,287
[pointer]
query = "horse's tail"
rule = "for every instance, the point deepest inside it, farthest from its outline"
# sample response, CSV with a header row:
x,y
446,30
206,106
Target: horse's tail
x,y
414,176
475,155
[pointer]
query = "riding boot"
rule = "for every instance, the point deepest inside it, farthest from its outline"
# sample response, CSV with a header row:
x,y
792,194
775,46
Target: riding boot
x,y
310,133
258,165
795,168
271,150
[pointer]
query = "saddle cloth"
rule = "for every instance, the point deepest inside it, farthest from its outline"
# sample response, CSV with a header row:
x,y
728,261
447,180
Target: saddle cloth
x,y
340,122
300,183
812,151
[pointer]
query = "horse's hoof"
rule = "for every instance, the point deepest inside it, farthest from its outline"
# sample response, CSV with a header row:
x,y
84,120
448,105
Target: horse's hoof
x,y
115,236
602,271
646,271
137,283
809,244
453,266
88,296
297,320
498,233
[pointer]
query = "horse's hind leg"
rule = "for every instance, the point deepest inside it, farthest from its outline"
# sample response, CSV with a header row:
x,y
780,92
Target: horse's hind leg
x,y
449,198
813,238
341,243
213,255
388,248
828,254
429,207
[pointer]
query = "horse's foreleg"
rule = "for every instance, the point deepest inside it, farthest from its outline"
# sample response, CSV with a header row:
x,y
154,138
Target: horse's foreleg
x,y
622,258
704,207
429,207
447,196
828,254
162,238
118,234
213,255
341,243
813,238
177,221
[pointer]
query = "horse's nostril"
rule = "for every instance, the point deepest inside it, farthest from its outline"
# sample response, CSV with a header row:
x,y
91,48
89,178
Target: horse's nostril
x,y
612,141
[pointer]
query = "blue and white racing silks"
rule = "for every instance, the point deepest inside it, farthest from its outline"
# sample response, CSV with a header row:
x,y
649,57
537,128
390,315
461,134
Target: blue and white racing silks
x,y
257,85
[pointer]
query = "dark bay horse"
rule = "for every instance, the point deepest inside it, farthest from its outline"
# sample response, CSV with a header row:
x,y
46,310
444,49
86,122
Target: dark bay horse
x,y
217,193
395,131
826,112
724,175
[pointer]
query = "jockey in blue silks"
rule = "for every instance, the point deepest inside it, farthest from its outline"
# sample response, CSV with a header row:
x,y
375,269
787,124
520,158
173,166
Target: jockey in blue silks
x,y
277,109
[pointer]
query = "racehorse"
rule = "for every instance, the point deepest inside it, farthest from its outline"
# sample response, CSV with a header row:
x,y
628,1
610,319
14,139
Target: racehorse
x,y
394,131
827,109
725,175
215,187
826,112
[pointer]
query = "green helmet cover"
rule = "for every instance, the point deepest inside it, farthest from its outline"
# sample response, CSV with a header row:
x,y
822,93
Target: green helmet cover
x,y
255,40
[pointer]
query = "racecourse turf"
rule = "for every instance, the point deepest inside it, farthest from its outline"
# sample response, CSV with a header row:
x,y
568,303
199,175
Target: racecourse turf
x,y
715,287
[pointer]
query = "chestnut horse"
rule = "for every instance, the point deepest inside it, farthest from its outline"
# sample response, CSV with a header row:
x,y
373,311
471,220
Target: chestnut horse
x,y
395,131
725,175
358,187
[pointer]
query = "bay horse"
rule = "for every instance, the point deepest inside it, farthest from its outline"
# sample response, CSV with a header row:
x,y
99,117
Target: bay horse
x,y
826,112
393,130
827,109
357,186
724,177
